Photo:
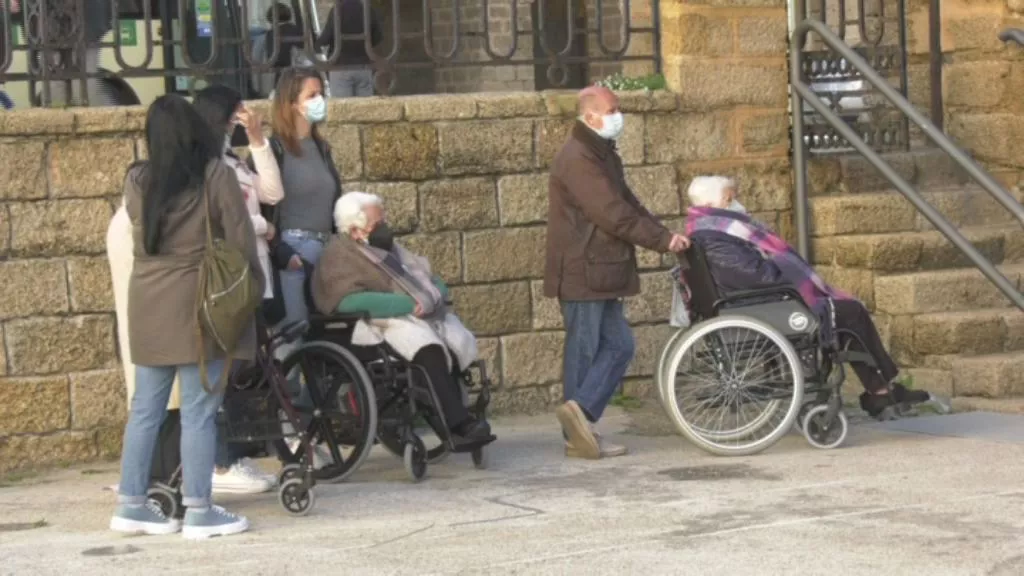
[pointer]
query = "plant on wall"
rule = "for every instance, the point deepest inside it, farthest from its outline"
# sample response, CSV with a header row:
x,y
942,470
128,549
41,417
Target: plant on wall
x,y
626,83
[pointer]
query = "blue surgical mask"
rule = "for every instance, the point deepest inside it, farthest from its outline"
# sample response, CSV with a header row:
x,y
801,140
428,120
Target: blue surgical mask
x,y
735,206
612,126
316,109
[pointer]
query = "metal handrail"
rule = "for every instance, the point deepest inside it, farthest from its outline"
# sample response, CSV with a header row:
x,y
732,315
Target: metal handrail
x,y
802,91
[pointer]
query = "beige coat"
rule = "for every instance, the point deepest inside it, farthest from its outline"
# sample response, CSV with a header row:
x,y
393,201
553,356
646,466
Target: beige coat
x,y
162,322
119,254
260,187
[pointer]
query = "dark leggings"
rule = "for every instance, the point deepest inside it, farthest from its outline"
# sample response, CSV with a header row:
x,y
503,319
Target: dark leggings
x,y
434,361
853,316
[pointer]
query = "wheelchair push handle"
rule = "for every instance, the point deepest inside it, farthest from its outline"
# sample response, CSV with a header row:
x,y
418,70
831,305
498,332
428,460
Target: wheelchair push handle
x,y
1012,35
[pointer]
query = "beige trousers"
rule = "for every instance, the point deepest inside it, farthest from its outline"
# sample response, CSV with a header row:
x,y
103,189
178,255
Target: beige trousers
x,y
119,253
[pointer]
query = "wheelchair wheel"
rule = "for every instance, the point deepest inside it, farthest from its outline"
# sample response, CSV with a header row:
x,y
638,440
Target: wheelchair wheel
x,y
415,459
391,438
735,385
169,501
479,458
296,498
288,472
343,410
661,377
819,433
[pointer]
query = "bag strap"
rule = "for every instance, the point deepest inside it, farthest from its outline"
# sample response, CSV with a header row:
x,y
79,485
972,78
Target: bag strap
x,y
200,292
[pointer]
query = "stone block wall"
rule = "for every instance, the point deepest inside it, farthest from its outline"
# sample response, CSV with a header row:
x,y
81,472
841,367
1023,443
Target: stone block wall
x,y
464,178
982,77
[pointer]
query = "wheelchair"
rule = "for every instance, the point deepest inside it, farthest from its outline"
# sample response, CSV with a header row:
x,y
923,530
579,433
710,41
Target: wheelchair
x,y
399,406
752,365
259,408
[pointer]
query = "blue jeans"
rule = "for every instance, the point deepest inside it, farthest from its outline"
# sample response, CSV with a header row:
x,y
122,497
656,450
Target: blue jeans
x,y
598,348
198,431
293,290
293,282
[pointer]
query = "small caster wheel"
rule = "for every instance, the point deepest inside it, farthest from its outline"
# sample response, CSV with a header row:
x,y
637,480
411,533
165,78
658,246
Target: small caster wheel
x,y
167,500
479,458
821,435
288,472
296,498
415,459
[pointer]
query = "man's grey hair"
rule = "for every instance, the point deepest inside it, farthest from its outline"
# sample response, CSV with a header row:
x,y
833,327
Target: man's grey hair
x,y
709,190
350,210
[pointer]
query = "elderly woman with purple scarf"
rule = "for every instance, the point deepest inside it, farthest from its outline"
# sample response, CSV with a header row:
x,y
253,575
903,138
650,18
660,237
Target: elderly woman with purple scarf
x,y
364,270
742,254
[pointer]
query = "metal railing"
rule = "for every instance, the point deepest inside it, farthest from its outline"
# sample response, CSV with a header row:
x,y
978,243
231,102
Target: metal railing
x,y
426,47
801,92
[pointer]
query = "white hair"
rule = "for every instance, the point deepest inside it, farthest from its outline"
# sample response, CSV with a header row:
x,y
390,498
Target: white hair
x,y
709,190
350,210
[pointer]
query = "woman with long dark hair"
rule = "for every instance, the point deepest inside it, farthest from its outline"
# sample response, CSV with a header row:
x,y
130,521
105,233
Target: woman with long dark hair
x,y
169,199
225,113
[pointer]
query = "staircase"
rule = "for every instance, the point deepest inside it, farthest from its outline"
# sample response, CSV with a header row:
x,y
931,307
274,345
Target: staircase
x,y
948,327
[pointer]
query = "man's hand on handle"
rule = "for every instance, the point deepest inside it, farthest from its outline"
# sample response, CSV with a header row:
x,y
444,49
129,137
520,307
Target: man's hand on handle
x,y
678,243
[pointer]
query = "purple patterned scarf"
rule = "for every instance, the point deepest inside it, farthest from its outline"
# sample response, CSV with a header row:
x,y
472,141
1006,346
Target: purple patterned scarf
x,y
795,270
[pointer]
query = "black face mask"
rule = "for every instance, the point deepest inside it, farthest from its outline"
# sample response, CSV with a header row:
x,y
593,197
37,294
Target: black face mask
x,y
239,139
381,237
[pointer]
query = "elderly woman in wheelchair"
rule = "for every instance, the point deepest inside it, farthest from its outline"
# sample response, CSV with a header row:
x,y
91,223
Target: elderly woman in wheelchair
x,y
402,309
770,324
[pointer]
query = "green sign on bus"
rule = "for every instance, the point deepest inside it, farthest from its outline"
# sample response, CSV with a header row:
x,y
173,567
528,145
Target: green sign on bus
x,y
129,33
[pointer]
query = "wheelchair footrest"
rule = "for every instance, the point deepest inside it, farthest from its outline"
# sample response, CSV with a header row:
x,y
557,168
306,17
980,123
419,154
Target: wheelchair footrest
x,y
463,447
851,356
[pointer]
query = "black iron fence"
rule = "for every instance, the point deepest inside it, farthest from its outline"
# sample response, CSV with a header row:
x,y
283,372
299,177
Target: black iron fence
x,y
61,52
877,32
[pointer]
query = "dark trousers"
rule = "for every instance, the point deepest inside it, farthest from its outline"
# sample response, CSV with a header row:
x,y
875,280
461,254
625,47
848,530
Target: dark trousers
x,y
853,316
598,349
433,360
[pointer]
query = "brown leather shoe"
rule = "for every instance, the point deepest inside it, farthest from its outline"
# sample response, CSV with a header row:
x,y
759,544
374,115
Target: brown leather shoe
x,y
577,428
606,449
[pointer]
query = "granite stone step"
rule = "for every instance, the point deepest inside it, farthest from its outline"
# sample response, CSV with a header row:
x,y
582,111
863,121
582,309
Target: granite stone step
x,y
908,251
985,331
989,376
942,291
887,212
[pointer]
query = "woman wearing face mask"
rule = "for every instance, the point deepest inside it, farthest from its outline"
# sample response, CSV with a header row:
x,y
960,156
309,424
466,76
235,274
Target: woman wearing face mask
x,y
363,269
223,110
311,186
743,254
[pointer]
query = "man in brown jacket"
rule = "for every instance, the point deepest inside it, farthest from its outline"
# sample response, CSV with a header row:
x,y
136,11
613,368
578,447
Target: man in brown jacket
x,y
594,222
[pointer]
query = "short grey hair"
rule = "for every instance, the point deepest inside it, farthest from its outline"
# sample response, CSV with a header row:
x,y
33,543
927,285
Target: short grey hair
x,y
350,210
709,190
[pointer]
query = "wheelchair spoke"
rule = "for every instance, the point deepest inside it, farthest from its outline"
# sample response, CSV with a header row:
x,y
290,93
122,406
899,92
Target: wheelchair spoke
x,y
733,386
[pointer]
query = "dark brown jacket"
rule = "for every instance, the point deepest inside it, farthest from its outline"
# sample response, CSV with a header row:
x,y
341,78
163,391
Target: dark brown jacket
x,y
162,290
594,222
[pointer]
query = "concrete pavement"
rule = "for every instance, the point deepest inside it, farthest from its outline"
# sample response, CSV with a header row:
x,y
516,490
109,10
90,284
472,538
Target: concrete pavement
x,y
887,503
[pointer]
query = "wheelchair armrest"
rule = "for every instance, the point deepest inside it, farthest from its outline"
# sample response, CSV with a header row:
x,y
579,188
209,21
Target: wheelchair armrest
x,y
784,291
293,331
339,317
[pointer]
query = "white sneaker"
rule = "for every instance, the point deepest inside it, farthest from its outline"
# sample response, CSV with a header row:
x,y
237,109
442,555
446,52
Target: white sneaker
x,y
248,463
241,478
321,455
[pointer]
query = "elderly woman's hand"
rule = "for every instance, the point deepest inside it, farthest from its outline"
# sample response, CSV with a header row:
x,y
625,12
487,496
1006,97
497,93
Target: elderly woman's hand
x,y
418,311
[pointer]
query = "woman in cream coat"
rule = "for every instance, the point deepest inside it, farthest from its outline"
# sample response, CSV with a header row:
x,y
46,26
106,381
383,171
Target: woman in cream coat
x,y
239,476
